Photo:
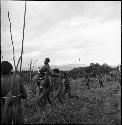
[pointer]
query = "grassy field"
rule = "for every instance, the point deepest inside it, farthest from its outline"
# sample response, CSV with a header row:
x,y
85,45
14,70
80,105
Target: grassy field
x,y
95,106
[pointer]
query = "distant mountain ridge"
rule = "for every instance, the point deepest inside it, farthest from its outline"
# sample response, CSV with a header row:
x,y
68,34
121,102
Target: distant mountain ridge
x,y
69,66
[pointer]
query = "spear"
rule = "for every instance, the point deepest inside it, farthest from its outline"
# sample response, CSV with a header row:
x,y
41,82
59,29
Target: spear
x,y
30,71
12,41
23,39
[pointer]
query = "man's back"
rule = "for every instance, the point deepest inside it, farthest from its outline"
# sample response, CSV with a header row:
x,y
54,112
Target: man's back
x,y
5,85
18,91
18,87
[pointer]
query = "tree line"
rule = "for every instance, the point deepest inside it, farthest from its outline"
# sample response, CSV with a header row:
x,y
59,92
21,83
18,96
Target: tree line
x,y
94,70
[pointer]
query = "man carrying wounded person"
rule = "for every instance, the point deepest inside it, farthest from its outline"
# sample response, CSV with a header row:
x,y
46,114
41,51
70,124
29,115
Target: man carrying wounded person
x,y
45,85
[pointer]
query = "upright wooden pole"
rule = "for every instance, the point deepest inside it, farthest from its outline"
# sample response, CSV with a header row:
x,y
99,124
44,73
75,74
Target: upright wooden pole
x,y
30,72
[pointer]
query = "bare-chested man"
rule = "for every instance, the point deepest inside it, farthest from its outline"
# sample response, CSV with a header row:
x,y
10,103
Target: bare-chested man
x,y
11,110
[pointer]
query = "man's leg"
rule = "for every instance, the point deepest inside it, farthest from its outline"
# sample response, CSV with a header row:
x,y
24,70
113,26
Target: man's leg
x,y
101,84
48,97
40,90
60,96
70,95
34,88
87,84
20,120
57,94
44,102
65,91
51,90
38,83
42,96
17,115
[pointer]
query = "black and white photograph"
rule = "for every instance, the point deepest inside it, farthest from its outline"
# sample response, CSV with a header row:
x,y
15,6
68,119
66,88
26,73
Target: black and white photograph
x,y
60,62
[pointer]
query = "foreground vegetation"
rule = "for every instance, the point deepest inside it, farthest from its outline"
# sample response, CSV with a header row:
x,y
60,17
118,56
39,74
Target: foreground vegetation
x,y
95,106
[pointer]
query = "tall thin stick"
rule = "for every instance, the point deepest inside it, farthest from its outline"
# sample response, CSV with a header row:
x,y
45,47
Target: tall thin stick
x,y
1,55
12,41
30,71
23,38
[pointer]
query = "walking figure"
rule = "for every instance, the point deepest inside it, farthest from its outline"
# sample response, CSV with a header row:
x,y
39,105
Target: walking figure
x,y
87,82
100,80
67,87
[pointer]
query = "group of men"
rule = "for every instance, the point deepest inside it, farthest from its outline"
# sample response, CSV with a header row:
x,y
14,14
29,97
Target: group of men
x,y
45,74
11,110
53,80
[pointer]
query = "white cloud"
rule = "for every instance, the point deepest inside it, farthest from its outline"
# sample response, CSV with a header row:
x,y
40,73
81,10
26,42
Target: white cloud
x,y
64,31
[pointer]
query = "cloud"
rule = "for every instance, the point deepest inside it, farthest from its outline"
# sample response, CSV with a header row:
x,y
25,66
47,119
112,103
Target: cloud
x,y
64,31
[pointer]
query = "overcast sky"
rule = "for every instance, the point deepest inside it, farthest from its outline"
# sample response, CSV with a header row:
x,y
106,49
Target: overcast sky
x,y
64,31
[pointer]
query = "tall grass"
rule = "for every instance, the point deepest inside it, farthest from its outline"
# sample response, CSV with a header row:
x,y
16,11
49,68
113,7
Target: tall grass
x,y
95,106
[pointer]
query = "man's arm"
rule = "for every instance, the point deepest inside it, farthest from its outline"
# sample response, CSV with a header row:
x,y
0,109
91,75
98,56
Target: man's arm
x,y
51,73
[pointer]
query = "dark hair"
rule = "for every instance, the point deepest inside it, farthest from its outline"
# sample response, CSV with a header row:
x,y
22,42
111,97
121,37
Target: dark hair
x,y
47,59
6,67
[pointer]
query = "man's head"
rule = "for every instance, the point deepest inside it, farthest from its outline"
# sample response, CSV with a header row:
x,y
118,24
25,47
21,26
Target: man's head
x,y
6,68
47,60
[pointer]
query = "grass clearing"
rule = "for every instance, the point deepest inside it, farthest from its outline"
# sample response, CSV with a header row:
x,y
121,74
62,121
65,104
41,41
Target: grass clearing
x,y
95,106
